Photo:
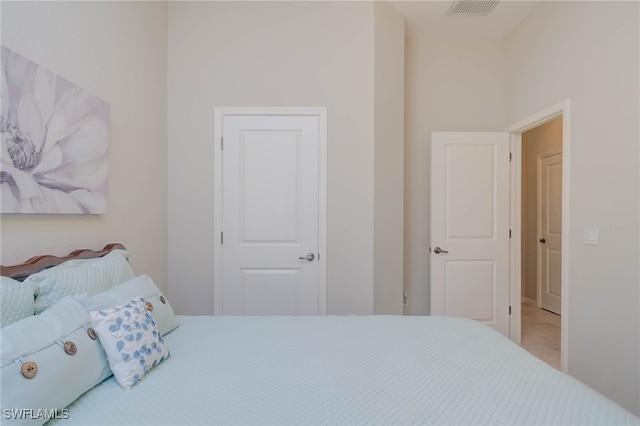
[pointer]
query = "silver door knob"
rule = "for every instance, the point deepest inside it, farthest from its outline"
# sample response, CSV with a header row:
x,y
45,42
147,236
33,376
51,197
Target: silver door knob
x,y
438,250
309,257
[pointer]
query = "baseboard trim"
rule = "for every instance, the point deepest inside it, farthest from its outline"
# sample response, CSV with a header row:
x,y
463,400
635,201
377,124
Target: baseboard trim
x,y
528,301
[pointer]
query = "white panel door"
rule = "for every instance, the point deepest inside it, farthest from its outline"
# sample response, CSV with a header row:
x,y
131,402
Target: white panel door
x,y
470,227
270,215
550,243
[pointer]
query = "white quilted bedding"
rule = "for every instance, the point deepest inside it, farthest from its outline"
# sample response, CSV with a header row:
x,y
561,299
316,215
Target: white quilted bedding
x,y
345,371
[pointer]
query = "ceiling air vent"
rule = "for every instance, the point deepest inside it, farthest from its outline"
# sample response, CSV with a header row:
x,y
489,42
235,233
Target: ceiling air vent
x,y
471,7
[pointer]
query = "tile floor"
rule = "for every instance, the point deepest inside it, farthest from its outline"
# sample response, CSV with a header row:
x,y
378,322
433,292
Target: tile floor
x,y
541,334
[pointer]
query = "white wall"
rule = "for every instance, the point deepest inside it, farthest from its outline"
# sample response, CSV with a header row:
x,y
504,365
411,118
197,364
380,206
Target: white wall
x,y
450,85
389,159
271,54
589,52
117,51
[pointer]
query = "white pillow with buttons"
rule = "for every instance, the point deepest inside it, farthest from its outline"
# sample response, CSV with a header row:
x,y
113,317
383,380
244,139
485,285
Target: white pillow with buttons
x,y
49,360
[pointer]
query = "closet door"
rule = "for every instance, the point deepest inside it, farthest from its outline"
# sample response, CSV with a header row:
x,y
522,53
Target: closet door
x,y
270,215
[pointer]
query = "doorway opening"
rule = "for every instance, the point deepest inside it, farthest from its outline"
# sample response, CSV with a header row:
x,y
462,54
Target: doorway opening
x,y
539,246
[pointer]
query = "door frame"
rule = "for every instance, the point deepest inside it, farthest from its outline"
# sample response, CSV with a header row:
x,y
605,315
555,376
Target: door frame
x,y
541,156
516,130
321,114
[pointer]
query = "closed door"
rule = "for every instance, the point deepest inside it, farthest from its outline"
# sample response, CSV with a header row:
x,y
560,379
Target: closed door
x,y
470,227
550,226
270,215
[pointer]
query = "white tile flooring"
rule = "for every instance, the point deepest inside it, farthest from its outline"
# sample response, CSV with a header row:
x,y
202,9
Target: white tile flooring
x,y
541,334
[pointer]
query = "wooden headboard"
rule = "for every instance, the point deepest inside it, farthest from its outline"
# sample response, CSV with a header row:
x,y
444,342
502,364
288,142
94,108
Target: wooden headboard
x,y
38,263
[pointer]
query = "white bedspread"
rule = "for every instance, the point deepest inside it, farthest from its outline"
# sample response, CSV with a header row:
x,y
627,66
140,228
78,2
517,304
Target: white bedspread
x,y
345,371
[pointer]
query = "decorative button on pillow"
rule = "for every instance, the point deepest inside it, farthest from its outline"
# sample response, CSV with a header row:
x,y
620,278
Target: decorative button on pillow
x,y
130,339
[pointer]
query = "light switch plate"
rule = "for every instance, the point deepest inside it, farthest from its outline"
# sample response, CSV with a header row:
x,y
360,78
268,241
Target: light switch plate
x,y
591,235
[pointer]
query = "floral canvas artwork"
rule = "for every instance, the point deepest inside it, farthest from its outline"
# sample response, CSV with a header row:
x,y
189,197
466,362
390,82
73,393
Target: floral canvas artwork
x,y
55,140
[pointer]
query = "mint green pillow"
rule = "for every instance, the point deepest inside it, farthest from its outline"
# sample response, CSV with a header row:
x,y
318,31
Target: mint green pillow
x,y
143,286
80,276
58,347
17,300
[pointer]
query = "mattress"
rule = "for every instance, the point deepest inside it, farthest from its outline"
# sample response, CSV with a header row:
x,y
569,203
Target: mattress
x,y
345,370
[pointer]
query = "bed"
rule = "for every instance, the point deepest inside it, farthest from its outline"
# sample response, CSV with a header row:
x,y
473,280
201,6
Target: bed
x,y
276,370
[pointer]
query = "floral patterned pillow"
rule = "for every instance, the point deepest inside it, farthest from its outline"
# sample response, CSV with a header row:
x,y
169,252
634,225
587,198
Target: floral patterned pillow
x,y
130,339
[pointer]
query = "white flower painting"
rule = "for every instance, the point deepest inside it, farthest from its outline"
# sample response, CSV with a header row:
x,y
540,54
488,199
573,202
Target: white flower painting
x,y
55,140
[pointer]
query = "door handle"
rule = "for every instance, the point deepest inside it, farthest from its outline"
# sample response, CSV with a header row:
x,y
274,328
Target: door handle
x,y
542,240
309,257
438,250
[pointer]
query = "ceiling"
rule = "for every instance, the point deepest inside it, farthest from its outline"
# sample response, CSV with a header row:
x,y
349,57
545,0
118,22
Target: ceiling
x,y
427,18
